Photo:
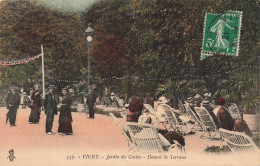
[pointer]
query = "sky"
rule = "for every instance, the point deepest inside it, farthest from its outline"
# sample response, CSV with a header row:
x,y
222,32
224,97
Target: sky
x,y
68,5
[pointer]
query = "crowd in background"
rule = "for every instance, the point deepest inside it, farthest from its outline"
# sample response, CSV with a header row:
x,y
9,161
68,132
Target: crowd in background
x,y
217,110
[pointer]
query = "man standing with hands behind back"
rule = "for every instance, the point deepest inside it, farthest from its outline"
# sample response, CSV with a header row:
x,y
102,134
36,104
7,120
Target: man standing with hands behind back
x,y
91,99
50,106
12,102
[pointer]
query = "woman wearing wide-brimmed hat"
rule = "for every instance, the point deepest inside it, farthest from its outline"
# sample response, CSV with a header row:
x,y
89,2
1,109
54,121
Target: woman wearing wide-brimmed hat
x,y
65,118
36,105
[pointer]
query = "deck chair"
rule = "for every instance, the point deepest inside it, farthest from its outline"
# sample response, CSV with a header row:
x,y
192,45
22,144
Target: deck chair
x,y
193,116
153,113
181,107
150,109
146,138
131,147
208,124
107,101
234,111
120,102
169,120
238,141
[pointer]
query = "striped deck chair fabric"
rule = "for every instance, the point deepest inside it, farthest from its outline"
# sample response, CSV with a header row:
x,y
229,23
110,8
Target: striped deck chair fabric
x,y
207,122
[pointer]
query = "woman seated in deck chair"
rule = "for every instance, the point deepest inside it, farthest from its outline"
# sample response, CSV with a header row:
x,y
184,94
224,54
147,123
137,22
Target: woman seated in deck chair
x,y
135,111
182,119
227,122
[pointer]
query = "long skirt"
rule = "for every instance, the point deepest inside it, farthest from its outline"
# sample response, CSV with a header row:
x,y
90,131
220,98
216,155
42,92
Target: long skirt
x,y
35,115
65,127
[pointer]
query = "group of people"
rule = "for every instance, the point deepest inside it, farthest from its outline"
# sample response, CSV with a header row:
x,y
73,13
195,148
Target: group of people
x,y
220,114
50,107
137,113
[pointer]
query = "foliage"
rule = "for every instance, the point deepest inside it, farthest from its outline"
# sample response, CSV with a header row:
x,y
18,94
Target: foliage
x,y
109,46
24,26
241,88
164,41
148,39
81,89
108,57
169,38
102,112
217,149
173,89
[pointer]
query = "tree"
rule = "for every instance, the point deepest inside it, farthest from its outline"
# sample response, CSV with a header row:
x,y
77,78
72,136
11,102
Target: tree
x,y
24,26
241,88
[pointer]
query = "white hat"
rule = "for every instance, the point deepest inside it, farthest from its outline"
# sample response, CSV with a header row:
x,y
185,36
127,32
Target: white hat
x,y
145,118
197,96
126,105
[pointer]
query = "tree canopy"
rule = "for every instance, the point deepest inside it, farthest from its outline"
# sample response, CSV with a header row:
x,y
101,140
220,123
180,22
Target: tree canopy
x,y
146,42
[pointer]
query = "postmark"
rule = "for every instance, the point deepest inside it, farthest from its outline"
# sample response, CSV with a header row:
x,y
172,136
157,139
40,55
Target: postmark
x,y
221,34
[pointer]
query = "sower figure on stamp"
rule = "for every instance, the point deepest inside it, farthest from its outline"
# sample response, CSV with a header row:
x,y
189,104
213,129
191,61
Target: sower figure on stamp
x,y
91,99
12,102
65,119
50,106
218,28
36,105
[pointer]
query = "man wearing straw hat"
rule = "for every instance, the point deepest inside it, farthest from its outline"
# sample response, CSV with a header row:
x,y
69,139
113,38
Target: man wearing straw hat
x,y
50,106
12,102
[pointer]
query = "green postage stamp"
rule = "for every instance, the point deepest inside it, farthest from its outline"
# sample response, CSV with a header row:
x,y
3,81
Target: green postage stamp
x,y
221,34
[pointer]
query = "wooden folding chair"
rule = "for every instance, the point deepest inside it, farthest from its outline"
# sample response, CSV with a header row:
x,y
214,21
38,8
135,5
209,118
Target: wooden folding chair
x,y
234,111
181,107
193,116
150,109
107,101
120,102
153,114
131,147
208,124
238,141
171,123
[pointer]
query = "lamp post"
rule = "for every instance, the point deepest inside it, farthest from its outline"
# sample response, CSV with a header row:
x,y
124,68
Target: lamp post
x,y
89,32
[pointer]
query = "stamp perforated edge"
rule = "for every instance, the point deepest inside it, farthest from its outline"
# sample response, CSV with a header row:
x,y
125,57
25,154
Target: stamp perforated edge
x,y
238,40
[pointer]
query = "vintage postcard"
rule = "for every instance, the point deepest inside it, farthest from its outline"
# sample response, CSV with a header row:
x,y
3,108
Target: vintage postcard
x,y
129,82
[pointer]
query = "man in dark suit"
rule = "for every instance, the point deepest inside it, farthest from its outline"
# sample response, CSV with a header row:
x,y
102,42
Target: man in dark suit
x,y
50,106
91,99
12,102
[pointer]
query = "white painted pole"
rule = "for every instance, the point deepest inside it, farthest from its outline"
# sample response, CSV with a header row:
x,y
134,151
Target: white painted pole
x,y
43,77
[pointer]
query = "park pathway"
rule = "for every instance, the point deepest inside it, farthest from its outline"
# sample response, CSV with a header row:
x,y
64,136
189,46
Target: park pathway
x,y
92,142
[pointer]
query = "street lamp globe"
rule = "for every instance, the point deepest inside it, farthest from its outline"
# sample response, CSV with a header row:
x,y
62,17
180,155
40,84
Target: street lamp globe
x,y
89,38
89,32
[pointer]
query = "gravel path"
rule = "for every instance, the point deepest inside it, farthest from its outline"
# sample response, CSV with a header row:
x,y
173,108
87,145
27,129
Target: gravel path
x,y
92,142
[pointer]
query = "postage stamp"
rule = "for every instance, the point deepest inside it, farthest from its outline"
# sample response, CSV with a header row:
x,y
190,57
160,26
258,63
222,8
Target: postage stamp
x,y
221,33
